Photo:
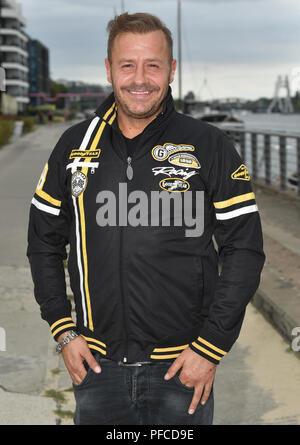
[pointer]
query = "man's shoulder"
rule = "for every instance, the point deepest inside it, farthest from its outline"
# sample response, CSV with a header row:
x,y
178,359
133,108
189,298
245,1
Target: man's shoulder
x,y
201,134
193,124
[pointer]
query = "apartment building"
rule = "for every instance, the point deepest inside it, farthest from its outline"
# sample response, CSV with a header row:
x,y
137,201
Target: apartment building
x,y
14,52
38,64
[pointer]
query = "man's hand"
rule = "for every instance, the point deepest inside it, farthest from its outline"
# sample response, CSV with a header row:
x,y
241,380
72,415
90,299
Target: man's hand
x,y
74,353
196,372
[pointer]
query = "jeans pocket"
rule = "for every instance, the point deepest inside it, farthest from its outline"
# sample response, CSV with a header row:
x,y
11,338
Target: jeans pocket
x,y
179,383
86,378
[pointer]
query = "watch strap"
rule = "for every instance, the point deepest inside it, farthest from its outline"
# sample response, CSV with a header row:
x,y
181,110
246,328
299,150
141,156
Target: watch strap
x,y
69,337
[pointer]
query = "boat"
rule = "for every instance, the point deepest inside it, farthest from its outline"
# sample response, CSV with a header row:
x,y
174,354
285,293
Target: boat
x,y
293,180
222,119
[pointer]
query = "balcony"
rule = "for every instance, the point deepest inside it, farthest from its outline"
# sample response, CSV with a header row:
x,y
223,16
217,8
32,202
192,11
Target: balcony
x,y
10,40
17,83
13,74
13,33
16,90
13,49
14,12
14,58
15,66
10,24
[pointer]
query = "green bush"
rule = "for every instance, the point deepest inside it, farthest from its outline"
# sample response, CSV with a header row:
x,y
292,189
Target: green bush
x,y
6,130
29,123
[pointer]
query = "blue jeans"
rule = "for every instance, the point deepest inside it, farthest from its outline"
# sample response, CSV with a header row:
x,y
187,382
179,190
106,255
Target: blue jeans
x,y
136,395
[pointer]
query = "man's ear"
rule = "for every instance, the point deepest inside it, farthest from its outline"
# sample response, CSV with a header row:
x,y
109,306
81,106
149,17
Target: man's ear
x,y
173,68
108,70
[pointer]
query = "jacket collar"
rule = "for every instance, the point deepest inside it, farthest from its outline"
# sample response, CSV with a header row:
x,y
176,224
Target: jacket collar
x,y
106,111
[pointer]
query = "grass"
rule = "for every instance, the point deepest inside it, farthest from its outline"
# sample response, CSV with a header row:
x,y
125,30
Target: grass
x,y
64,414
6,130
56,395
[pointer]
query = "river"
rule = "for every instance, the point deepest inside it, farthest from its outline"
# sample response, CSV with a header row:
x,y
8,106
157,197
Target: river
x,y
287,123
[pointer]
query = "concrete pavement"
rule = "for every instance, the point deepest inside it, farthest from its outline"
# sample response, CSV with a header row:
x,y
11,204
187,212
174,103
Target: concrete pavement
x,y
278,296
30,370
256,383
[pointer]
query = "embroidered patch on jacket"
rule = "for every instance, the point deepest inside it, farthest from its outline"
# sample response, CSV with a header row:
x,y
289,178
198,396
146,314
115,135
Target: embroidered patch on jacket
x,y
174,185
172,171
241,173
184,160
85,153
78,183
162,152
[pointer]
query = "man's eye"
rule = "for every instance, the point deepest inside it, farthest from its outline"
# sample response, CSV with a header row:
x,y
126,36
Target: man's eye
x,y
154,67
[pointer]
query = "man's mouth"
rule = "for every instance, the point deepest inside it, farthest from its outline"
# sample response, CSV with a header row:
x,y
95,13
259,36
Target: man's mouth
x,y
139,93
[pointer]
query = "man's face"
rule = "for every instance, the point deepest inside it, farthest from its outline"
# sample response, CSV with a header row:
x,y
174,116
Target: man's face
x,y
140,72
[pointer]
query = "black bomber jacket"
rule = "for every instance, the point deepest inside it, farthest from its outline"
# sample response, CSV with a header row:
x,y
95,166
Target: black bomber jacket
x,y
164,249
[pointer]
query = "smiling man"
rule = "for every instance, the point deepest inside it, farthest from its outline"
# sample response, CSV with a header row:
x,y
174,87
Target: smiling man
x,y
140,70
154,317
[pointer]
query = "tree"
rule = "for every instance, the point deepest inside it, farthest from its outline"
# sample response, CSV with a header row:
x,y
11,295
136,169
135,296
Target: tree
x,y
296,101
56,88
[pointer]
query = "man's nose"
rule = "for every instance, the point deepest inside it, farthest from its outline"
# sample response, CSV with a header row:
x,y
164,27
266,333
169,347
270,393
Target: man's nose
x,y
139,75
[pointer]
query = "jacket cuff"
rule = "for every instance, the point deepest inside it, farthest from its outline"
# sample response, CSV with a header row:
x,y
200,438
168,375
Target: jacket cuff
x,y
210,346
62,325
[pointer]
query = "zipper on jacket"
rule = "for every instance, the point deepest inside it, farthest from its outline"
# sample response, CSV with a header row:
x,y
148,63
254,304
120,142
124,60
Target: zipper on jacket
x,y
124,359
129,175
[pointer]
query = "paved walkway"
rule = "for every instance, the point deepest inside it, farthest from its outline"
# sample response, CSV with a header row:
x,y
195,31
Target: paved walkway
x,y
257,383
279,292
29,368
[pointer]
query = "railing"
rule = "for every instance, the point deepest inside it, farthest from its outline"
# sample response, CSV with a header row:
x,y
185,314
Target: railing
x,y
273,158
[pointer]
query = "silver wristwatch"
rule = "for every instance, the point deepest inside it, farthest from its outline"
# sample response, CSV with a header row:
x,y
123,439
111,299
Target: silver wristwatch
x,y
70,336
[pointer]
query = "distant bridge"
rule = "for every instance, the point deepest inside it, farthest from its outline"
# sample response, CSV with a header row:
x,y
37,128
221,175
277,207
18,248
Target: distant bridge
x,y
67,96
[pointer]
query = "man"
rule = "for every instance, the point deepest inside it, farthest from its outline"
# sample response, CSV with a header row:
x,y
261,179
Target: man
x,y
154,315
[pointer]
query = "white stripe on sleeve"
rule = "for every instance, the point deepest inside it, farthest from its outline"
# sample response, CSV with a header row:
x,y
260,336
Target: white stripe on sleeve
x,y
237,212
45,208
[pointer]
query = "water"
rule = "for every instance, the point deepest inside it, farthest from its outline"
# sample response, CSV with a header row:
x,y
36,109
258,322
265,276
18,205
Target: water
x,y
287,123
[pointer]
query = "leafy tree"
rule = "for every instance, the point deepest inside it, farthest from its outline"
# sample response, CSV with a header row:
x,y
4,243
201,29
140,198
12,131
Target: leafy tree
x,y
56,88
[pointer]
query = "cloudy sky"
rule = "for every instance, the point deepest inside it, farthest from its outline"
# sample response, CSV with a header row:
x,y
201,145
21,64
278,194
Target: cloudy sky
x,y
231,48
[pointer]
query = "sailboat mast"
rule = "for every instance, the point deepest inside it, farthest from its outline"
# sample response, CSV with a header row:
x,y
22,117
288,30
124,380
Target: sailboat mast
x,y
179,54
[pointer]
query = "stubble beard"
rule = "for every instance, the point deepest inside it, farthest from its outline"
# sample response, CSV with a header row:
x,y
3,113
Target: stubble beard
x,y
153,109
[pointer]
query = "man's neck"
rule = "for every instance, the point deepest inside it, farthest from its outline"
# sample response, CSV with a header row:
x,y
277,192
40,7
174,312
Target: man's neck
x,y
131,127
